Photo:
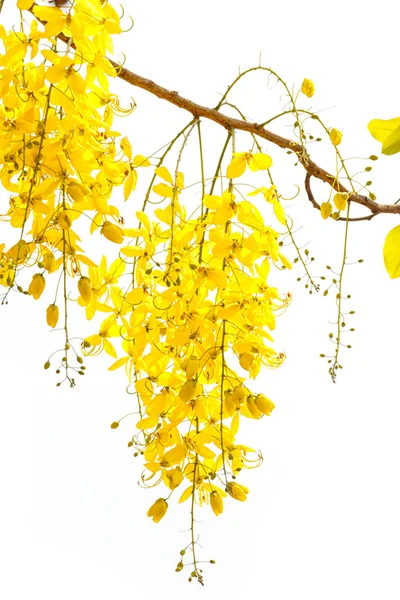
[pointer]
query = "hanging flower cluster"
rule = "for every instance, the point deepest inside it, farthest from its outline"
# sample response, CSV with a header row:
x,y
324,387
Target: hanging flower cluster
x,y
192,321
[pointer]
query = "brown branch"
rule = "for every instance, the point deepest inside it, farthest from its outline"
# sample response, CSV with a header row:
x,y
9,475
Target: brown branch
x,y
307,185
236,124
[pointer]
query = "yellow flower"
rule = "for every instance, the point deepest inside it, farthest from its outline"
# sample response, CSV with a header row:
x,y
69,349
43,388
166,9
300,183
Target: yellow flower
x,y
216,503
307,87
240,160
85,288
340,200
157,510
64,220
37,286
52,314
336,136
253,408
246,360
173,477
238,492
112,232
326,210
264,404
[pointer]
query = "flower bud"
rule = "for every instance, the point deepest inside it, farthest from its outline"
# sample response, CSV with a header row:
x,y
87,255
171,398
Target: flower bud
x,y
246,360
85,288
216,502
340,200
37,286
253,409
157,510
52,314
112,232
336,136
64,220
307,88
264,404
174,477
326,210
238,492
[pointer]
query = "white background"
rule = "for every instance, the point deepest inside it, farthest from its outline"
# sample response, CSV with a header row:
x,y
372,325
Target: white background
x,y
322,518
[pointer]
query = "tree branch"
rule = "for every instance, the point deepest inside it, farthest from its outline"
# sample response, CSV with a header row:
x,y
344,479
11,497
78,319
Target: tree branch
x,y
231,123
307,185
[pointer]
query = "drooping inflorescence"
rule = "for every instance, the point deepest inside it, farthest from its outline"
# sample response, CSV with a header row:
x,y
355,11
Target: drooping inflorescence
x,y
187,304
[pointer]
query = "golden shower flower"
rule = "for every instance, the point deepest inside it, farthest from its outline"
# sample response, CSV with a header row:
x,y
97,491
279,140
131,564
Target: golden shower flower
x,y
52,314
85,288
216,503
238,492
37,286
307,87
112,232
336,136
157,510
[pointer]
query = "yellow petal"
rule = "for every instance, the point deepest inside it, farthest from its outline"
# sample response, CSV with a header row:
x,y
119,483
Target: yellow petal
x,y
336,136
237,166
326,210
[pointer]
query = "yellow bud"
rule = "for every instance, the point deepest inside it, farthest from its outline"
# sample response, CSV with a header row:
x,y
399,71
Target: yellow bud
x,y
326,210
264,404
174,477
112,232
216,503
188,390
49,262
307,87
37,286
340,200
239,394
85,288
229,403
64,220
254,410
246,360
52,314
238,492
336,136
157,510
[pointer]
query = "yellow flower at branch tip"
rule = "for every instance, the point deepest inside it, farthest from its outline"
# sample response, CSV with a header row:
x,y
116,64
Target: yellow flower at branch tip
x,y
157,510
246,360
326,210
336,136
216,503
52,314
307,88
264,404
37,286
85,288
238,492
112,232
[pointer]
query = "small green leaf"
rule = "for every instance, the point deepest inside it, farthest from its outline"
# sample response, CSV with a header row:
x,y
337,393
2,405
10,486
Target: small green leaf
x,y
391,252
